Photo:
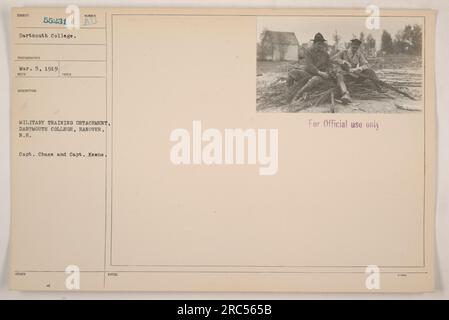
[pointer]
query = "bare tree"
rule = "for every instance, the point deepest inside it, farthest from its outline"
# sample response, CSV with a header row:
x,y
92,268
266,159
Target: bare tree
x,y
336,37
370,45
386,42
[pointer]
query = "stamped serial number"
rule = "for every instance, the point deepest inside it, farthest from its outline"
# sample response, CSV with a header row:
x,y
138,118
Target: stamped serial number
x,y
55,20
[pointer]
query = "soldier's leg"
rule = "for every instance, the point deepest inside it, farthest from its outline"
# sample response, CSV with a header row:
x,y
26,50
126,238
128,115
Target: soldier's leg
x,y
297,76
371,75
311,83
341,83
345,97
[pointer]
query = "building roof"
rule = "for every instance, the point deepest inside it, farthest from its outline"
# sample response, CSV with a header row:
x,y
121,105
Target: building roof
x,y
278,37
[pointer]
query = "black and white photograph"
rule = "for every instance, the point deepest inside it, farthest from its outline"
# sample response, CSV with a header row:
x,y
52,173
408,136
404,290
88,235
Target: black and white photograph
x,y
335,64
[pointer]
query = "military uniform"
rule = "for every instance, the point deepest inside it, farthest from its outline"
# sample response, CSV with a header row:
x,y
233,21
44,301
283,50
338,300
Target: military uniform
x,y
348,59
315,61
308,76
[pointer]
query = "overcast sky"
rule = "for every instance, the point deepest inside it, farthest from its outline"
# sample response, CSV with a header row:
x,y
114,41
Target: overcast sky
x,y
306,27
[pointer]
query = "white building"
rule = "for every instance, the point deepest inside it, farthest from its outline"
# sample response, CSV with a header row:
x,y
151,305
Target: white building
x,y
279,46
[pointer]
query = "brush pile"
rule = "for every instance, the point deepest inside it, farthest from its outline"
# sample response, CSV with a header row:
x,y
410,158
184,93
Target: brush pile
x,y
275,94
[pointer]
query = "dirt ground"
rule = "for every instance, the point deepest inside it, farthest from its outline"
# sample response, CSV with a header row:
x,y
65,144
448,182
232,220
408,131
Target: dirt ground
x,y
404,72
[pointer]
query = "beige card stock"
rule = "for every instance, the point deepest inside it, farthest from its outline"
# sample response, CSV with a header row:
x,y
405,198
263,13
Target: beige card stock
x,y
151,150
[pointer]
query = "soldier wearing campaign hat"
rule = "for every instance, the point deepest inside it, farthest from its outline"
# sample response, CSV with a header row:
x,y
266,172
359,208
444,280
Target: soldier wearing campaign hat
x,y
316,68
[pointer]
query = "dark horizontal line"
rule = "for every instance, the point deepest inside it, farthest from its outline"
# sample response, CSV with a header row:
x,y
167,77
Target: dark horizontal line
x,y
251,266
58,28
62,44
45,60
257,15
56,271
185,271
58,77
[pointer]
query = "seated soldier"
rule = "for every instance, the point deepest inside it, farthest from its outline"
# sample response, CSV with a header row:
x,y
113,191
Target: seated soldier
x,y
316,68
353,61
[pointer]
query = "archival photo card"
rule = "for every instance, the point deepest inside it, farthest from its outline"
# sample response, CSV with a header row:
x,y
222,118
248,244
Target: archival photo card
x,y
141,159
